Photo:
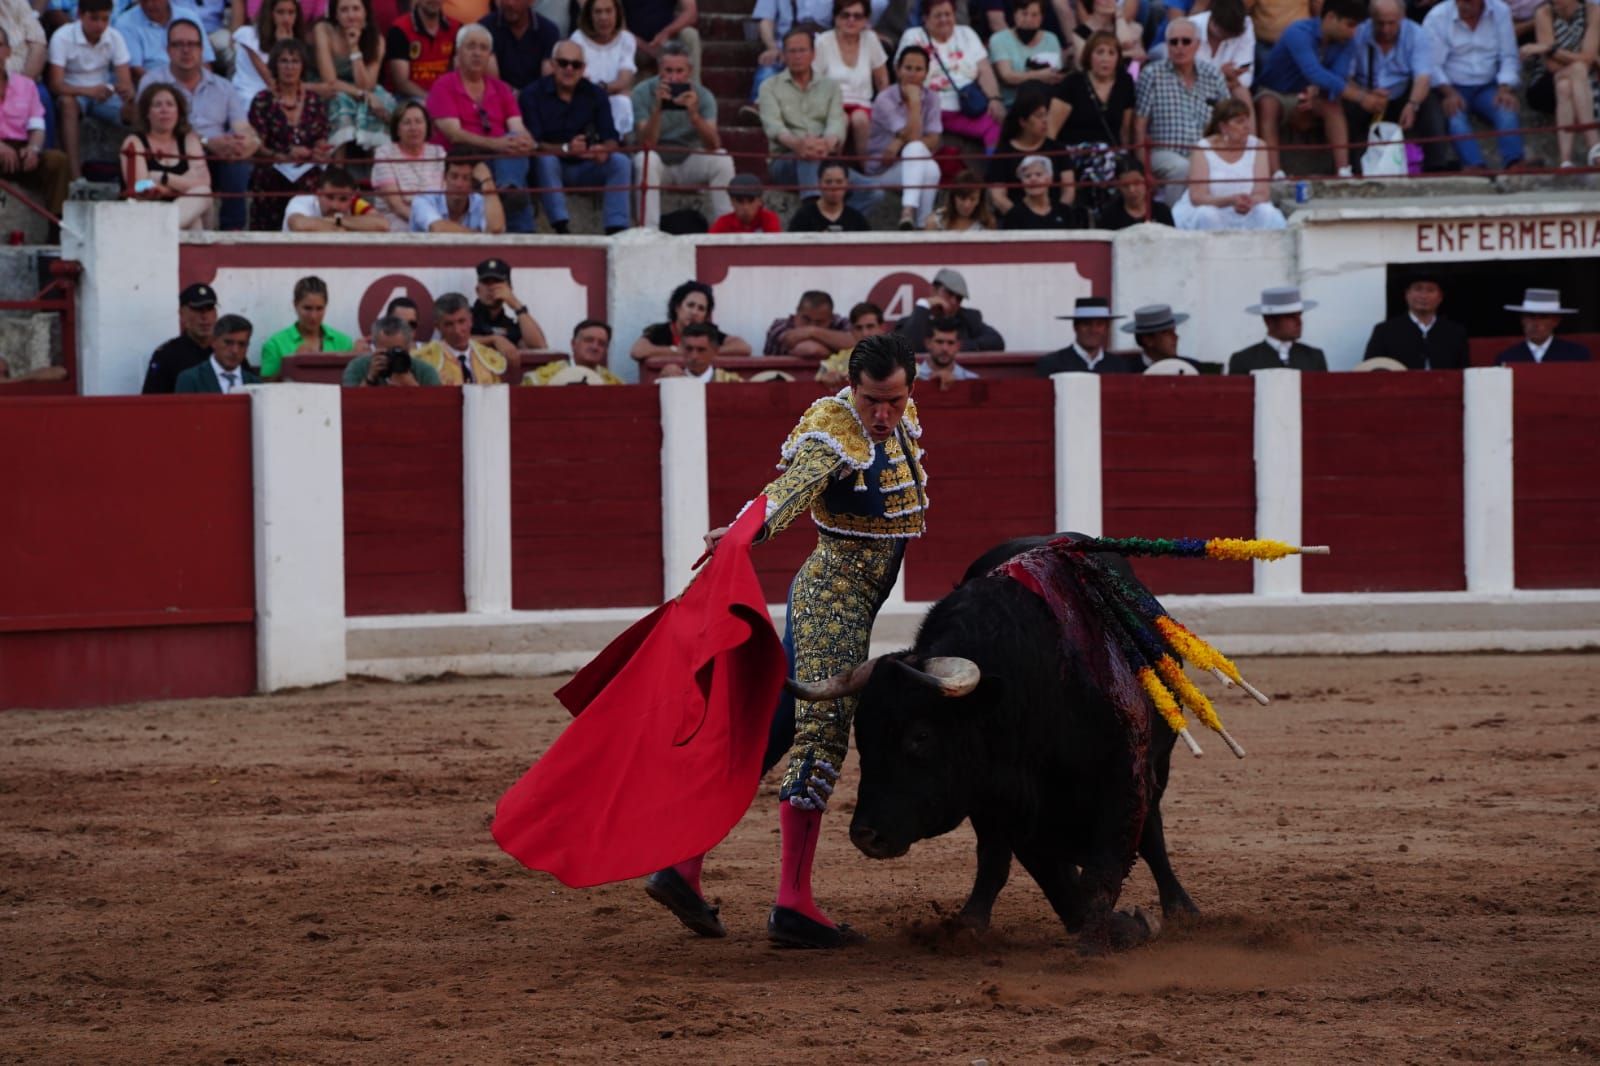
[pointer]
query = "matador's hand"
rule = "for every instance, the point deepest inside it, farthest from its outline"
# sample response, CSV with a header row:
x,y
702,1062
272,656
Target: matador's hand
x,y
816,788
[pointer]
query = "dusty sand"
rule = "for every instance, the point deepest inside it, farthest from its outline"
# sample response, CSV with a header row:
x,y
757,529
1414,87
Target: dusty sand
x,y
1406,869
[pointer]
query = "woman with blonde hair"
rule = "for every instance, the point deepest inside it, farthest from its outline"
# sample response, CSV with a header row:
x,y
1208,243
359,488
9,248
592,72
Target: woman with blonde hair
x,y
1228,176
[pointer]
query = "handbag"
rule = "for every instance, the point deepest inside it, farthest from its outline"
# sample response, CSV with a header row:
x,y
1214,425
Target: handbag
x,y
974,102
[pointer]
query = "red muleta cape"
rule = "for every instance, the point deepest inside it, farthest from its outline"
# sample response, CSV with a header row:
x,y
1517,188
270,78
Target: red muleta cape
x,y
664,756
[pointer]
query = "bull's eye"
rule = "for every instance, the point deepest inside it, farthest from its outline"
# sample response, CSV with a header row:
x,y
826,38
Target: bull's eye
x,y
919,742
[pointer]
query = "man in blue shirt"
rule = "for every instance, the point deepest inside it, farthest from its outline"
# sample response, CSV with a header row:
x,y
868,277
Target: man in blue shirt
x,y
1479,70
570,117
1308,69
1395,56
144,27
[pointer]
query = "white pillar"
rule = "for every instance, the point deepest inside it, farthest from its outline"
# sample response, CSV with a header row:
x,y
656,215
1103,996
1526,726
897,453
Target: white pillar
x,y
1489,507
1079,505
685,484
297,452
128,292
642,266
486,496
1278,476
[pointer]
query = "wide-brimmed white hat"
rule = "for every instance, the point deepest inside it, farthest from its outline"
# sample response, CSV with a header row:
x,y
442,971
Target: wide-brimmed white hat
x,y
1169,367
1380,362
1541,302
573,374
1284,300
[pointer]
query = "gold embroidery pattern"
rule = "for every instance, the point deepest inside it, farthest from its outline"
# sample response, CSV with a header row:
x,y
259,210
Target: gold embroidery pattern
x,y
487,364
543,374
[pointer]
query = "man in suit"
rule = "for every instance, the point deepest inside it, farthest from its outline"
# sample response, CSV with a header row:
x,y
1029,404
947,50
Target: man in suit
x,y
1155,331
1541,312
1091,320
1280,309
224,371
1421,338
949,293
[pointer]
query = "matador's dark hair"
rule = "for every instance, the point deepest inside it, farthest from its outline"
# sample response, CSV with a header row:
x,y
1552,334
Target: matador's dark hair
x,y
879,356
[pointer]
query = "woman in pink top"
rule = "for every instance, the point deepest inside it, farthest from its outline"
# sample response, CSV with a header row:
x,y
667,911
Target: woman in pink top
x,y
471,107
411,164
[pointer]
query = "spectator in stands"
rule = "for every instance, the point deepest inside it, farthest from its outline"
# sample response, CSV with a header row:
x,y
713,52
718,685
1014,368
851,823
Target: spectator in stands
x,y
89,75
1037,209
828,213
1478,74
655,22
1270,18
215,113
945,301
499,316
699,350
478,112
904,134
405,308
1567,40
1175,96
591,347
749,213
524,40
690,303
390,361
1228,185
30,47
1093,109
1155,331
420,48
1309,70
333,208
1541,313
1091,320
1023,135
851,55
307,335
163,156
1025,53
1132,204
411,163
1228,42
1120,18
197,319
275,21
813,331
866,320
291,122
803,116
571,119
470,203
963,207
775,20
350,54
24,159
1280,310
959,60
224,370
608,55
1421,338
1394,57
144,28
677,128
458,358
944,343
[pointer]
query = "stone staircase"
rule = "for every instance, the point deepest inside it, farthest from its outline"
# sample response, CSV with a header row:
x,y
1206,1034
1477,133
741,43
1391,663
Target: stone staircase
x,y
729,49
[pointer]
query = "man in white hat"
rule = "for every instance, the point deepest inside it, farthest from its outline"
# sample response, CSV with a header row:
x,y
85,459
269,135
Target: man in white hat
x,y
1280,309
1541,312
1155,331
1091,320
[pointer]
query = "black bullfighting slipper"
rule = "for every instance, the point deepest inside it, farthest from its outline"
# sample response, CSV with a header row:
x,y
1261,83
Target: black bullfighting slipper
x,y
789,928
668,888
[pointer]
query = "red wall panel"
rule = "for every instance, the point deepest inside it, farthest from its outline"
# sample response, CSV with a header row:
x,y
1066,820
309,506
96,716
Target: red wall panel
x,y
585,497
1178,460
1557,489
1382,462
403,547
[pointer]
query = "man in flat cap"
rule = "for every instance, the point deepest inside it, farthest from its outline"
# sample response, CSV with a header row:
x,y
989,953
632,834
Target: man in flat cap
x,y
947,301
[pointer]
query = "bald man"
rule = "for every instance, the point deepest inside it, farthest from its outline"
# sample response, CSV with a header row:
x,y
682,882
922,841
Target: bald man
x,y
1393,55
570,117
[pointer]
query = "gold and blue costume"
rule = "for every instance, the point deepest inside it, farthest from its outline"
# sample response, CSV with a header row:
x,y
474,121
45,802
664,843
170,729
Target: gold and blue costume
x,y
867,499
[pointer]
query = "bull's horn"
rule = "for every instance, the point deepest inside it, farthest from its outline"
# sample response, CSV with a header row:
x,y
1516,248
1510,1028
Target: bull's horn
x,y
950,674
846,683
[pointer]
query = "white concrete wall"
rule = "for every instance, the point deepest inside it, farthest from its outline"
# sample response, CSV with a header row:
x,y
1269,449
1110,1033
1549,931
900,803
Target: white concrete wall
x,y
128,293
645,267
486,496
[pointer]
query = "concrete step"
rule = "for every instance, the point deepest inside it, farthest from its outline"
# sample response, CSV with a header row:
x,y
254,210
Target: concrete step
x,y
718,29
29,340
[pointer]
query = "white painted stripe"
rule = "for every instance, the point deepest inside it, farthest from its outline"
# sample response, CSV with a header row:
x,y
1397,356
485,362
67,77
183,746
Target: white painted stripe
x,y
1489,481
1079,500
685,483
486,496
1279,481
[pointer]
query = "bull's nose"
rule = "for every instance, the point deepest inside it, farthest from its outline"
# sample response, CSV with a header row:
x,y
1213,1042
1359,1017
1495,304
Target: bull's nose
x,y
865,837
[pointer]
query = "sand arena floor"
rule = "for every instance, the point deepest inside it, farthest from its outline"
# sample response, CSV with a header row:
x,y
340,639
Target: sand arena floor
x,y
1405,870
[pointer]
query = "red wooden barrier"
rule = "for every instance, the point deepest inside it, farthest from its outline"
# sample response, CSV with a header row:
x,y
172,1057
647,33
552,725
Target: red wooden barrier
x,y
1557,489
1178,460
402,501
127,529
1382,460
585,497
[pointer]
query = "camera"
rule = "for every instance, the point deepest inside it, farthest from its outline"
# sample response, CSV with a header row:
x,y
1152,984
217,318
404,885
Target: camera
x,y
399,363
677,90
1039,62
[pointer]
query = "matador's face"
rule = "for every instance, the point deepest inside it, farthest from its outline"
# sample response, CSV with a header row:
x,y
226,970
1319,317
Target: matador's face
x,y
880,403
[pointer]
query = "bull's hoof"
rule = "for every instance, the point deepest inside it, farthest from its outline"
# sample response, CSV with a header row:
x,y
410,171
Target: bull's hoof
x,y
668,888
790,929
1180,909
1119,931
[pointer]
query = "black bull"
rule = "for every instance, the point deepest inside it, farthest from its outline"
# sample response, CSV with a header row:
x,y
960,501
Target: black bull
x,y
1034,757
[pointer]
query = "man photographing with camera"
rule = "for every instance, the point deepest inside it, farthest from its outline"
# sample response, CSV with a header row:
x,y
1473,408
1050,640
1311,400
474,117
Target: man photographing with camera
x,y
676,125
390,362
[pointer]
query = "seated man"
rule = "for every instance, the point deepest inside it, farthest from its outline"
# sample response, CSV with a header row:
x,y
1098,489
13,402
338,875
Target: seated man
x,y
591,350
1280,310
469,203
750,214
675,122
944,343
1421,338
1091,320
1155,331
458,358
523,40
197,322
405,309
144,27
225,370
866,320
774,19
1541,313
656,23
813,331
803,116
570,117
499,317
390,361
1173,105
1309,70
949,293
699,347
419,49
1479,70
334,207
88,75
1394,56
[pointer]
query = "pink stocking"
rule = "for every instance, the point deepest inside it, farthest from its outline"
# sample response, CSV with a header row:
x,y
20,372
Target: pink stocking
x,y
800,830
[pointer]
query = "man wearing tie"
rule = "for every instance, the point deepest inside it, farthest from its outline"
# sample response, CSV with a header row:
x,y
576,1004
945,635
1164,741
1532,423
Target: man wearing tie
x,y
224,371
458,358
1541,312
1280,309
